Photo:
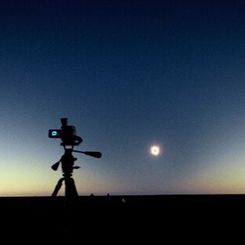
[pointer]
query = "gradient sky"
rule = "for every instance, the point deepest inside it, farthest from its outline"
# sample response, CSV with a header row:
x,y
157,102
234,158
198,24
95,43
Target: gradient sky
x,y
127,74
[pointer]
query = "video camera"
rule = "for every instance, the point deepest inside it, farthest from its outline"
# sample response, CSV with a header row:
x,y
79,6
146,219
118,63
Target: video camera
x,y
67,134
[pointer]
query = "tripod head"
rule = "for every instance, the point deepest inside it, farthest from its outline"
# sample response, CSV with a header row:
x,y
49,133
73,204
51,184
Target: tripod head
x,y
68,152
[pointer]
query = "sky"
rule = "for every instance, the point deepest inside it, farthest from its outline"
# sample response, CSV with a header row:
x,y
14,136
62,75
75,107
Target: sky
x,y
127,74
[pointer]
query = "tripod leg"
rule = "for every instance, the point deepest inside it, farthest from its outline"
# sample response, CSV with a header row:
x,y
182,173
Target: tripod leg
x,y
70,188
57,187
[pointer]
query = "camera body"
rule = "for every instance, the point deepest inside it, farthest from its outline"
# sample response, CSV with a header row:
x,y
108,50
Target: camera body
x,y
67,134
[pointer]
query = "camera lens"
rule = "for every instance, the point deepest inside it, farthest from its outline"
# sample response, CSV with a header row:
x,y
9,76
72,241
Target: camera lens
x,y
54,133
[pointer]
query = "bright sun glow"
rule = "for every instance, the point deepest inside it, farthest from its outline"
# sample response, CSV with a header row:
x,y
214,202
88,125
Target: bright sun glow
x,y
155,150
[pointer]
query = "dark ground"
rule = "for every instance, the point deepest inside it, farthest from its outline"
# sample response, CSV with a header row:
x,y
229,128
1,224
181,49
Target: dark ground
x,y
109,217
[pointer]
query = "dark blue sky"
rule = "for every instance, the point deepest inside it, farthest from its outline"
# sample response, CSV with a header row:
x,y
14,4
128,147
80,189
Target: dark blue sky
x,y
128,74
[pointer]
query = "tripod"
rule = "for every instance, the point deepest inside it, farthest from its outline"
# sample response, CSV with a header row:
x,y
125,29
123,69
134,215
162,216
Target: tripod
x,y
67,163
67,134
